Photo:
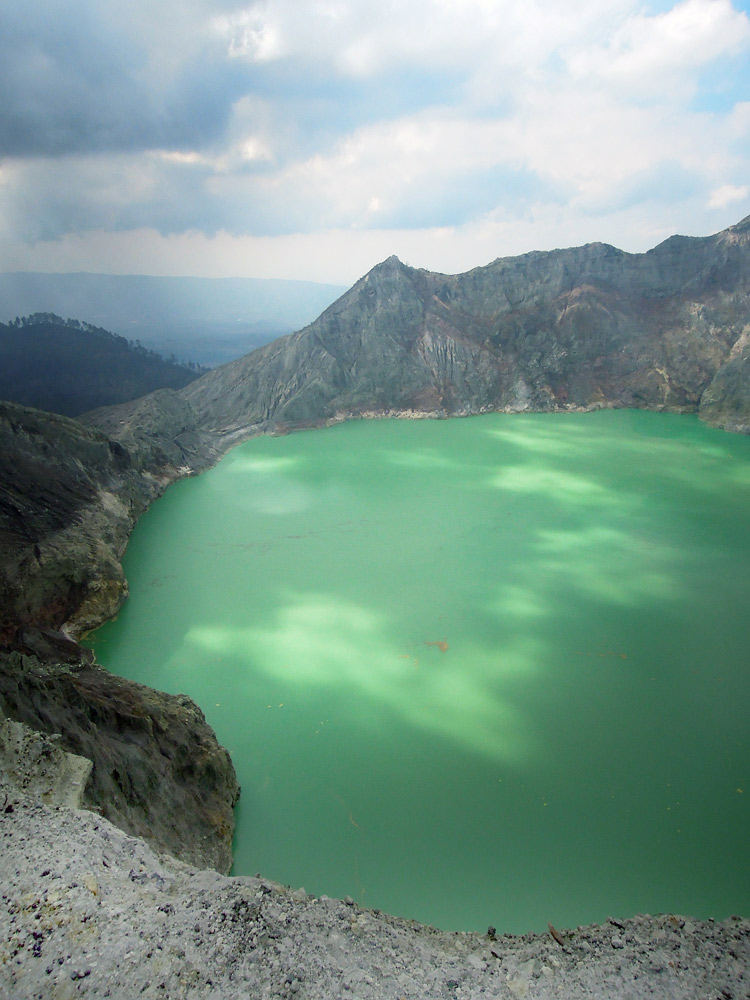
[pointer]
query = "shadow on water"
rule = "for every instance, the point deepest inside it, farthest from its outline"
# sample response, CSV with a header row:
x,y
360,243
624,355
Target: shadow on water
x,y
475,671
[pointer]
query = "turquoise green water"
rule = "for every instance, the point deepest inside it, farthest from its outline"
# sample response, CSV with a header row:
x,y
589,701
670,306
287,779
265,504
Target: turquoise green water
x,y
479,671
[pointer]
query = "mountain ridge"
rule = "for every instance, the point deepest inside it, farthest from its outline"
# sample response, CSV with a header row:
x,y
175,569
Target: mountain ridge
x,y
578,328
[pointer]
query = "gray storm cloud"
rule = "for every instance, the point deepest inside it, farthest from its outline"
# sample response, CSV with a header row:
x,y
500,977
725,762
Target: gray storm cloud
x,y
273,119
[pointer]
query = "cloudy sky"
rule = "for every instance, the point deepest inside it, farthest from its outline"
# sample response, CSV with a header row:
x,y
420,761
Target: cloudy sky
x,y
313,138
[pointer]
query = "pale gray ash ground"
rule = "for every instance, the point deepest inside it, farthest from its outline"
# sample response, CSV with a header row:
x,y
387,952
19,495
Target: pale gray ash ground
x,y
88,911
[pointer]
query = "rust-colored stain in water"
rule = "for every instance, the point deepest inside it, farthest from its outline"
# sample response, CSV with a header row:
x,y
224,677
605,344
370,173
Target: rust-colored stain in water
x,y
441,644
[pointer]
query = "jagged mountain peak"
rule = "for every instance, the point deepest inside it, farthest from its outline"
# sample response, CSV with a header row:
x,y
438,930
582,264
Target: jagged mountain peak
x,y
390,267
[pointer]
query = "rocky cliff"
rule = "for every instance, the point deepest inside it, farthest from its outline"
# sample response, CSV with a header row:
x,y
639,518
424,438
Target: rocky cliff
x,y
69,497
581,328
68,501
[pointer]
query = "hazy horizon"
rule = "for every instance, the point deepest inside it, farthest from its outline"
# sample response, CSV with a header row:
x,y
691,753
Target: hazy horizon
x,y
206,320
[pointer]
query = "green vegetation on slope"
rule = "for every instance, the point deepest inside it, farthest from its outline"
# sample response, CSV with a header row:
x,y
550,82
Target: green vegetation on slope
x,y
69,367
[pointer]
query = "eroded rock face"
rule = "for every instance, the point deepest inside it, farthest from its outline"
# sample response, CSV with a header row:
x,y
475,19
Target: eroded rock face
x,y
161,433
726,401
69,499
158,770
580,328
35,766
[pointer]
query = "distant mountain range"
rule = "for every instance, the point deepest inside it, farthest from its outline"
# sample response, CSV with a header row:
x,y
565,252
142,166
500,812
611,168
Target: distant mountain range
x,y
205,320
68,367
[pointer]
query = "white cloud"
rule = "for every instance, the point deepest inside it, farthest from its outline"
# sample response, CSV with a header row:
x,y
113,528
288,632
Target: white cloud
x,y
493,43
461,129
727,194
576,145
191,159
363,38
554,122
252,34
650,52
739,123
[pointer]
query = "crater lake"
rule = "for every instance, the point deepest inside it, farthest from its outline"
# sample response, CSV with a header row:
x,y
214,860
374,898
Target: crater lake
x,y
479,671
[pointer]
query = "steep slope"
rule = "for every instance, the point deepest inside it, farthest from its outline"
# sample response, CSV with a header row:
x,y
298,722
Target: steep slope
x,y
68,501
580,328
69,497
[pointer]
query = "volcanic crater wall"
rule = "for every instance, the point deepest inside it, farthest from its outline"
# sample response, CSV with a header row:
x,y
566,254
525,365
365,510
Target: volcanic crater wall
x,y
582,328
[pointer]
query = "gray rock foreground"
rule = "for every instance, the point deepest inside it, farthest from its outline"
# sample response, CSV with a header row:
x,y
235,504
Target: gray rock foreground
x,y
87,910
